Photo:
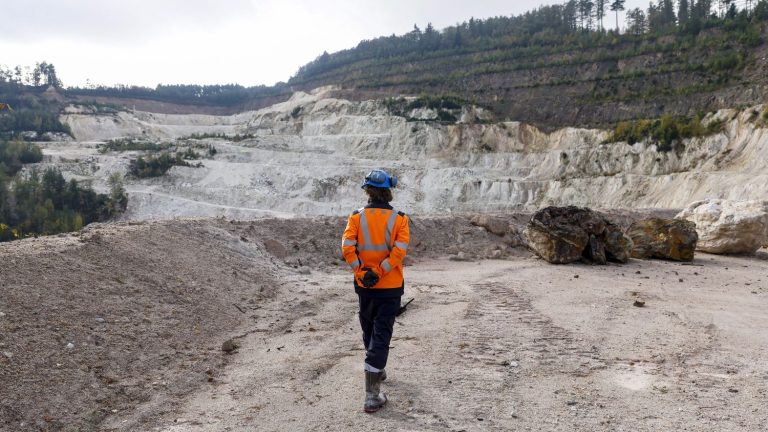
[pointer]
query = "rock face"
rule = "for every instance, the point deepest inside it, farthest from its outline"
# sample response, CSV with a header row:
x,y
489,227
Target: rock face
x,y
673,239
482,167
729,227
562,235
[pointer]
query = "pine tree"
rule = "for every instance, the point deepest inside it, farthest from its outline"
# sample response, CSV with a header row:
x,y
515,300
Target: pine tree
x,y
683,12
616,6
600,12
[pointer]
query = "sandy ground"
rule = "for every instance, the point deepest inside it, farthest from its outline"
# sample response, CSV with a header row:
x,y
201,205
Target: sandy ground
x,y
508,344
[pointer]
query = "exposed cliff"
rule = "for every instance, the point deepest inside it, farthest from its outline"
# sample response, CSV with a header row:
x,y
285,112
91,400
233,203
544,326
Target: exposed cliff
x,y
307,156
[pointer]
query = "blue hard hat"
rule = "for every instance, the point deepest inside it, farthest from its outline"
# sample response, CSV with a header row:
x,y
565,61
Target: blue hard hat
x,y
380,179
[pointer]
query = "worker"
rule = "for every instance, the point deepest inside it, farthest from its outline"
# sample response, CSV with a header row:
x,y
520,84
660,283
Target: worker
x,y
374,244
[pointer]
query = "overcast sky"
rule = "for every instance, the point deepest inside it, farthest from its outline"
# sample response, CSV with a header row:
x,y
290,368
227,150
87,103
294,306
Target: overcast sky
x,y
249,42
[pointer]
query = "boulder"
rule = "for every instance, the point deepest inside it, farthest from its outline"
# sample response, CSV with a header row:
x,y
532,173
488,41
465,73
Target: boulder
x,y
276,248
673,239
618,247
562,235
492,224
729,227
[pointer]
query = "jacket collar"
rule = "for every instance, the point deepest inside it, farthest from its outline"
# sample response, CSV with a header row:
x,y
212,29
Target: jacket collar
x,y
379,205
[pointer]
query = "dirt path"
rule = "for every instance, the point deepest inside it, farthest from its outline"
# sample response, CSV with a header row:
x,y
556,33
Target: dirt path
x,y
508,345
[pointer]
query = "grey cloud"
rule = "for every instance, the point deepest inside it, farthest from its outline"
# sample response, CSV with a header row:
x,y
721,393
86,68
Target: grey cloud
x,y
102,20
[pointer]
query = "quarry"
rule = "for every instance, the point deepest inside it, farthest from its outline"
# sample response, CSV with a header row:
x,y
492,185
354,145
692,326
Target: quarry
x,y
305,156
120,326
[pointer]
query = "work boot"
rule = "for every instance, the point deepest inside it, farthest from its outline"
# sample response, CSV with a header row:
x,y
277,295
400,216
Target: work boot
x,y
383,376
374,397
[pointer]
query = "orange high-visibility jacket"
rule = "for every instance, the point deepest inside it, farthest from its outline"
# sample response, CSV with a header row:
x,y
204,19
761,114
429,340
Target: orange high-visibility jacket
x,y
377,237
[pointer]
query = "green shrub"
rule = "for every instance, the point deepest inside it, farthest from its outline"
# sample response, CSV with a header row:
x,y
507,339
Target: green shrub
x,y
156,166
48,204
31,120
131,144
715,126
665,132
233,138
14,154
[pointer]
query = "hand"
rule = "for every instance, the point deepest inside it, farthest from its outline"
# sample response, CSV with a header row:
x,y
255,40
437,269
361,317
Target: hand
x,y
370,278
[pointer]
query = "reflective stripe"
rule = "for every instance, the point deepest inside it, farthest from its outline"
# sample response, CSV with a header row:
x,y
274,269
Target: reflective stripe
x,y
364,229
349,242
355,264
390,226
386,266
401,245
373,248
369,368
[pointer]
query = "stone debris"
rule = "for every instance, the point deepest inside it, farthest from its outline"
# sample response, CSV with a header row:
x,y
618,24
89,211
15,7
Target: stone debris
x,y
230,346
729,227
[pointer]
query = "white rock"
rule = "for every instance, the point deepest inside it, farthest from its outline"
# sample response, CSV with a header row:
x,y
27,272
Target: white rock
x,y
495,167
729,227
2,314
70,345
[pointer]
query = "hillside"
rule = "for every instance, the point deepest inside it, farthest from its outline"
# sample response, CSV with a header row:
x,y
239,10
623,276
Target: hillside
x,y
552,67
539,69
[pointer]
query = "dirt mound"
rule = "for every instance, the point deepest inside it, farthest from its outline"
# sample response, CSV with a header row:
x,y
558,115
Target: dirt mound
x,y
97,323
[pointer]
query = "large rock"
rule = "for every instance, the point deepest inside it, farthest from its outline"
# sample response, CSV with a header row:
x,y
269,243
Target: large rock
x,y
729,227
492,224
562,235
673,239
618,246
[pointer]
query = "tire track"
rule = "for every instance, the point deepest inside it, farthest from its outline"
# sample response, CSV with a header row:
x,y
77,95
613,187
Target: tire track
x,y
527,333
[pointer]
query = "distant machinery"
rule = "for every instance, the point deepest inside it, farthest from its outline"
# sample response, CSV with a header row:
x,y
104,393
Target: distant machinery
x,y
5,107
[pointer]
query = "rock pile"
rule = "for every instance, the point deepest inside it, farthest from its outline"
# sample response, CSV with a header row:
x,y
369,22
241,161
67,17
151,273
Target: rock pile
x,y
673,239
562,235
729,227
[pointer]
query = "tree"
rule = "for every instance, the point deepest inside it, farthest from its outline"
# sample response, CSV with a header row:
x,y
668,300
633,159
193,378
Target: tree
x,y
37,75
616,6
725,5
600,12
50,76
636,21
683,12
585,11
118,200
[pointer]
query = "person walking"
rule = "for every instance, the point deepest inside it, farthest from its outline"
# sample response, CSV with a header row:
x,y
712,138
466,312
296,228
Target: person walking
x,y
374,244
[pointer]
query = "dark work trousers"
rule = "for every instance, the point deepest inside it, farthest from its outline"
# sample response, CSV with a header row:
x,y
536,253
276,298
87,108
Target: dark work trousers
x,y
377,319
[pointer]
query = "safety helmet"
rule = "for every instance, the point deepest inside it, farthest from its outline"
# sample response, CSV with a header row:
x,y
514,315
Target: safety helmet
x,y
380,179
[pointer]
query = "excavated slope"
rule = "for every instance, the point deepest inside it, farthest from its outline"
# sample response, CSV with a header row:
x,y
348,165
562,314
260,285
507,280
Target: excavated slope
x,y
308,155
